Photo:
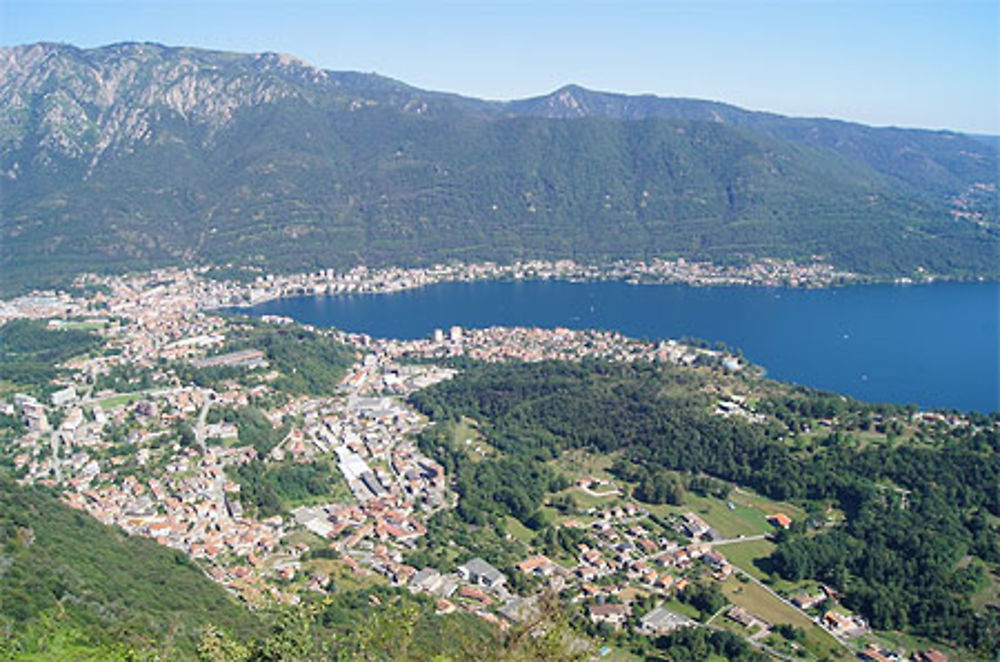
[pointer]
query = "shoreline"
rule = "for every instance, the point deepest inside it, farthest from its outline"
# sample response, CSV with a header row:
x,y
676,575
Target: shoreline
x,y
217,288
767,273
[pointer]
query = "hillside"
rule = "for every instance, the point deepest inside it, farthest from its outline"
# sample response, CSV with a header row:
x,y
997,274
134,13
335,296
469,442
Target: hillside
x,y
135,155
71,586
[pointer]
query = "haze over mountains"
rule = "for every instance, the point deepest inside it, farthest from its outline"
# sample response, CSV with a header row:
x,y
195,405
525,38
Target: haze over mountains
x,y
134,155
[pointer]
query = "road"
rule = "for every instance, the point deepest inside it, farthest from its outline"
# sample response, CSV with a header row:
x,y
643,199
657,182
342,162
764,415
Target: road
x,y
199,428
733,541
56,461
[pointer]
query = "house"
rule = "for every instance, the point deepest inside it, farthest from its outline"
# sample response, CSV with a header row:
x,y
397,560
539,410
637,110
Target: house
x,y
482,573
876,654
780,520
745,618
612,613
472,593
930,655
665,581
662,621
427,580
694,525
842,625
63,396
443,606
807,601
538,565
714,558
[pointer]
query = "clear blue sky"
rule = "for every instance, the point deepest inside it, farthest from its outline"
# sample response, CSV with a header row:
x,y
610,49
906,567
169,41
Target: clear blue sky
x,y
927,64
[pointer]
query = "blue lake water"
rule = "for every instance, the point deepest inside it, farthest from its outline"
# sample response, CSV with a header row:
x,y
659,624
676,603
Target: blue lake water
x,y
935,345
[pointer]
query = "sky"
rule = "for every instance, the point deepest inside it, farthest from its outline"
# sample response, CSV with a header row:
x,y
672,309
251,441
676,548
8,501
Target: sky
x,y
880,62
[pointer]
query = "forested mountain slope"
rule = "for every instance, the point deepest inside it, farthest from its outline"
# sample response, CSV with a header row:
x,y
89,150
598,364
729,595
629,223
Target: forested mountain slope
x,y
72,588
134,155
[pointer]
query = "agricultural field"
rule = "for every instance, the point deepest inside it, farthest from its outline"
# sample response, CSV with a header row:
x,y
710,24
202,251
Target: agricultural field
x,y
758,601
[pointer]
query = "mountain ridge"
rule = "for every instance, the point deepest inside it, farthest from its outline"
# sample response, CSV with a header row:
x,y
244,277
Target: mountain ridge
x,y
139,154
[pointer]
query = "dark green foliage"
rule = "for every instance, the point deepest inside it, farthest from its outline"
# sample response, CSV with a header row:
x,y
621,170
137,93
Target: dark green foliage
x,y
254,427
29,351
213,377
488,540
706,598
697,644
790,632
108,585
656,486
126,378
505,486
905,155
313,180
561,541
309,362
267,489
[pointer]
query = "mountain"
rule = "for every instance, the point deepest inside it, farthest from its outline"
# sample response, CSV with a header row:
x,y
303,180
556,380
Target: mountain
x,y
933,161
135,155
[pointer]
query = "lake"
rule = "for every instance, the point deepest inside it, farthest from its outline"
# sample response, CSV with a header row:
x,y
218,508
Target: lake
x,y
935,345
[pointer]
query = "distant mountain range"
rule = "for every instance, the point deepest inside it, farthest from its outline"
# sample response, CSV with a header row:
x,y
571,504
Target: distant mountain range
x,y
136,155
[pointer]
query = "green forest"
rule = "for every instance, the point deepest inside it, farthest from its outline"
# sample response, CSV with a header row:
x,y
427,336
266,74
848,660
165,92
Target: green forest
x,y
30,350
310,362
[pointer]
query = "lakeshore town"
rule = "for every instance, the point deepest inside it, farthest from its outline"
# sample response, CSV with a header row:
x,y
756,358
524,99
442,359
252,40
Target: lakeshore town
x,y
116,453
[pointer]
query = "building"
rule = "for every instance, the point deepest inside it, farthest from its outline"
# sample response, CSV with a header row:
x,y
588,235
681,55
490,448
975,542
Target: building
x,y
695,526
662,621
64,396
482,573
780,520
612,613
745,618
807,601
427,580
540,566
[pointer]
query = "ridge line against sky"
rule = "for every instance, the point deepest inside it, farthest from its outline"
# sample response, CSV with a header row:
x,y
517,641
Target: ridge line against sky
x,y
923,64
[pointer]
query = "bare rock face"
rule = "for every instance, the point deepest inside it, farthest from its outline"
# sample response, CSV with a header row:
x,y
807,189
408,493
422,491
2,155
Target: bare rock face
x,y
79,104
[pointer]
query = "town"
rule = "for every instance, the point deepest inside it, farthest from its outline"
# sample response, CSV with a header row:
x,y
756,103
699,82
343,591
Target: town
x,y
205,287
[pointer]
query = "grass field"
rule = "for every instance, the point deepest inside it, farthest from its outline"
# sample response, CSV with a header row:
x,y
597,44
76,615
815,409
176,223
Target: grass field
x,y
730,523
579,463
742,497
466,435
755,599
119,400
745,555
682,608
990,594
586,500
518,530
747,516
